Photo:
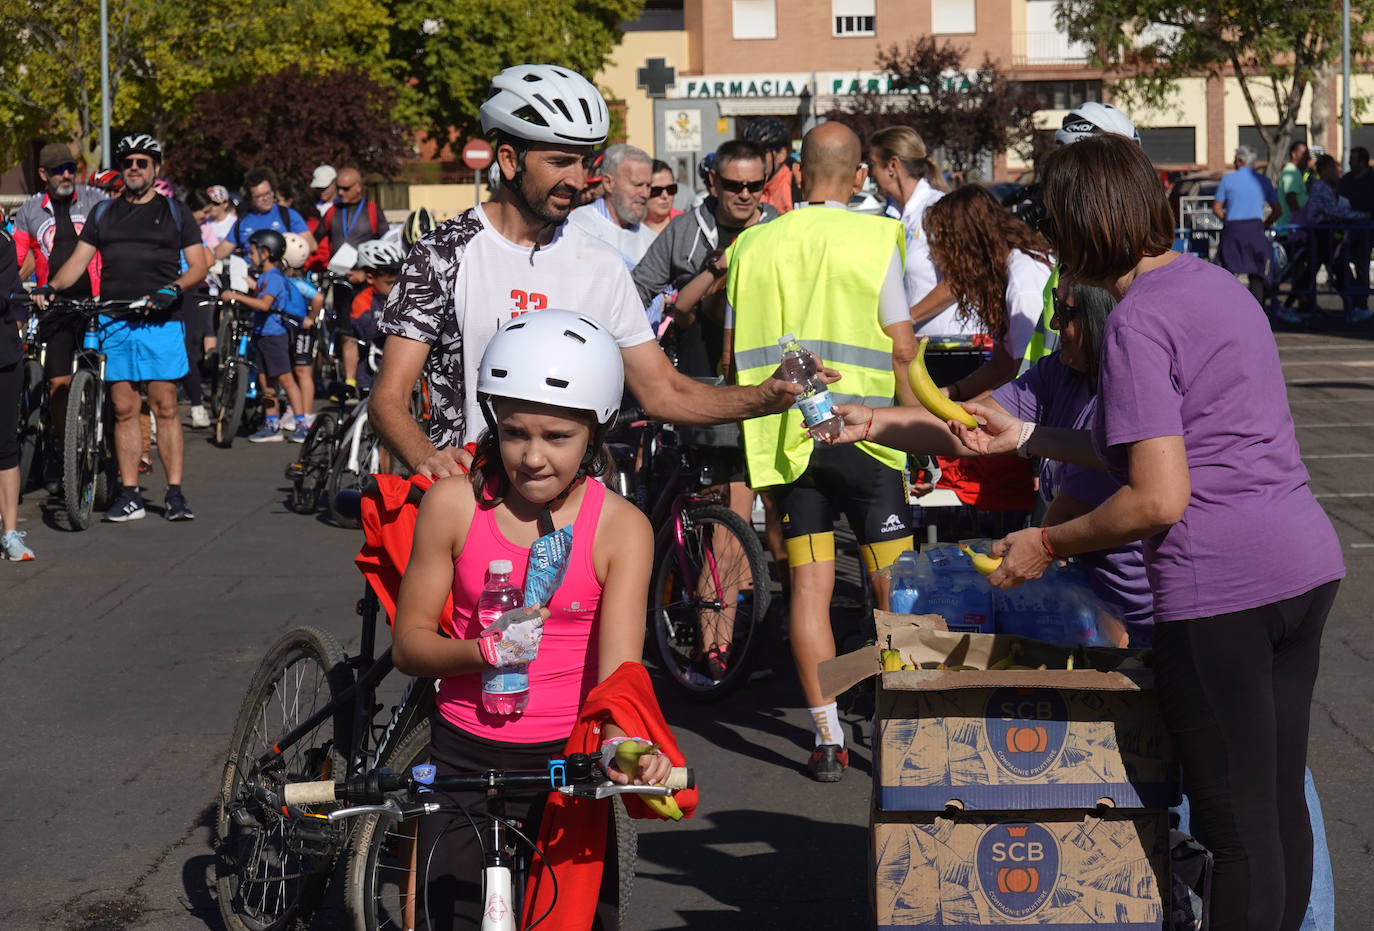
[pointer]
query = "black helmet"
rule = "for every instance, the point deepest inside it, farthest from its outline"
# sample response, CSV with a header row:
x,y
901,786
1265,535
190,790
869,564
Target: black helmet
x,y
138,144
769,132
271,242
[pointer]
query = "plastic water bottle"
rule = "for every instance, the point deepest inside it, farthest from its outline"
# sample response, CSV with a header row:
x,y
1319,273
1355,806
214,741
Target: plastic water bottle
x,y
906,584
817,408
504,691
958,593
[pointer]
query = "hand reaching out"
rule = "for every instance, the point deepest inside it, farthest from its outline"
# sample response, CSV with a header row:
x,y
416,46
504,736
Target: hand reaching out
x,y
996,434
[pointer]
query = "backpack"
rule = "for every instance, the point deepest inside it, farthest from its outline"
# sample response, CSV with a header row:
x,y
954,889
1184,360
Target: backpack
x,y
98,211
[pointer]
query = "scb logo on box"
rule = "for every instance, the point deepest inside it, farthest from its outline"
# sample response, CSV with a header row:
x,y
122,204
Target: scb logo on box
x,y
1026,729
1018,865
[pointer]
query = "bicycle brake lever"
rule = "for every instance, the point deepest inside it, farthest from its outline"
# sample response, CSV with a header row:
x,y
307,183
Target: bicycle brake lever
x,y
391,808
610,789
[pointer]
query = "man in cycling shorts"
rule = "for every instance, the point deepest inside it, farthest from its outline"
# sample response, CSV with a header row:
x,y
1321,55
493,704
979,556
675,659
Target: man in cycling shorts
x,y
150,251
832,278
516,254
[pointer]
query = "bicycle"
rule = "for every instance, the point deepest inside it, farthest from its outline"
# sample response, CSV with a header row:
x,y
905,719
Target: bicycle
x,y
709,566
35,415
234,382
375,796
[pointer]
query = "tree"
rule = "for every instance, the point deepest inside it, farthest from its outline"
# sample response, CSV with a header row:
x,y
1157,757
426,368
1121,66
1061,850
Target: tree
x,y
449,49
161,56
290,122
1273,48
963,114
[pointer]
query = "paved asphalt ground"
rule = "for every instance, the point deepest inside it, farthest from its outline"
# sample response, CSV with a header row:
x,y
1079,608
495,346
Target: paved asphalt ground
x,y
125,652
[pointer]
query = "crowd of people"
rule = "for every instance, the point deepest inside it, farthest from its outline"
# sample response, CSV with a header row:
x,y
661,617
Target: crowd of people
x,y
1131,412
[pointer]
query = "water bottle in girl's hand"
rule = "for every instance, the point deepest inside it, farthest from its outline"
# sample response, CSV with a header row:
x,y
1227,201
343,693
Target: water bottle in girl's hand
x,y
505,690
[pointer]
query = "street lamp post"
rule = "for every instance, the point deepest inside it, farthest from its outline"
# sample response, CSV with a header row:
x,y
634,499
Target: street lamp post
x,y
104,84
1345,80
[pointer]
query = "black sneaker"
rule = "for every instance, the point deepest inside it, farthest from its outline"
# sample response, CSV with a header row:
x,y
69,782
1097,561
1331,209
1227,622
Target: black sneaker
x,y
177,508
828,763
127,505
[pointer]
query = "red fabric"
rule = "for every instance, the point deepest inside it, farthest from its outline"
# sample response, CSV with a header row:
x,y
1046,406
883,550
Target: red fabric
x,y
389,529
362,303
572,835
778,190
996,483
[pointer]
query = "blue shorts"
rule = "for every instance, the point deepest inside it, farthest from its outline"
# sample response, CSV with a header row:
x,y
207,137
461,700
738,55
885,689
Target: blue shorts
x,y
139,351
273,354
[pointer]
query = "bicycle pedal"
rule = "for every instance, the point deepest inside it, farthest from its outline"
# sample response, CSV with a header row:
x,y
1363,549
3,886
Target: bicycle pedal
x,y
295,471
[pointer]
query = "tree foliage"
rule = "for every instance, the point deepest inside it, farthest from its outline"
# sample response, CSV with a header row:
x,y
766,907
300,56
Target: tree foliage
x,y
962,114
449,49
1272,47
290,122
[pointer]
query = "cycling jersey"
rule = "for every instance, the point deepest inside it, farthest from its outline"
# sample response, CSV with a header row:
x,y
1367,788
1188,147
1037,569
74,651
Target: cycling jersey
x,y
285,299
35,230
463,281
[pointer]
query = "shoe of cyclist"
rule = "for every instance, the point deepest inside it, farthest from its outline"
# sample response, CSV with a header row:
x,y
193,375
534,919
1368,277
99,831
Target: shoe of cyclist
x,y
1360,314
12,546
176,507
200,417
127,505
298,434
267,433
717,661
828,763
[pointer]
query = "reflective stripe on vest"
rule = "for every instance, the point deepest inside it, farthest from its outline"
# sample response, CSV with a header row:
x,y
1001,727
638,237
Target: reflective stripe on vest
x,y
816,273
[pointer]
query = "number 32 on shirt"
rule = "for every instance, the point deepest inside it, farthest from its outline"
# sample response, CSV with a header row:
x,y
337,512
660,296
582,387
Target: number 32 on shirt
x,y
526,301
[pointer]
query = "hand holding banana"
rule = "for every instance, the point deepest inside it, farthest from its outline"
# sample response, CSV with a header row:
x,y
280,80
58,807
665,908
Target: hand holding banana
x,y
636,756
930,396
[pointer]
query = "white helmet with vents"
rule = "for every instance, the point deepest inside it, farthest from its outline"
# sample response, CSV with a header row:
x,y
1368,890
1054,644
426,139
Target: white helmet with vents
x,y
297,251
546,103
380,255
553,357
1092,119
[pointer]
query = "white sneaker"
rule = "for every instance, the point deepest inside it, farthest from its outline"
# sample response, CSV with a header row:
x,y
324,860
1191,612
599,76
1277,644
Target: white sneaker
x,y
288,422
200,417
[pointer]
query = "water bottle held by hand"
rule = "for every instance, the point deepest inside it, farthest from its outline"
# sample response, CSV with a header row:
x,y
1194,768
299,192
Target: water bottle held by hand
x,y
505,691
815,403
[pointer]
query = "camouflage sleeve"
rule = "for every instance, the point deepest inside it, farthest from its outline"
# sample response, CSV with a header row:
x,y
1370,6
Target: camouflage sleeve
x,y
421,299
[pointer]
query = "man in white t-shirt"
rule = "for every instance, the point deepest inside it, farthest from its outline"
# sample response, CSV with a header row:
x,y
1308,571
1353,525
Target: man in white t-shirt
x,y
516,254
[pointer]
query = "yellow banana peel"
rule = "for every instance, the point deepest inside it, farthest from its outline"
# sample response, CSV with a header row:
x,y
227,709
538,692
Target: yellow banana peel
x,y
665,806
930,396
982,561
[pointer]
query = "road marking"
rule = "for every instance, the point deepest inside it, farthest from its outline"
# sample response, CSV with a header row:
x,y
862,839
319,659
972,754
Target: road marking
x,y
1362,546
1360,400
1314,426
1345,494
1365,363
1339,456
1303,347
1332,382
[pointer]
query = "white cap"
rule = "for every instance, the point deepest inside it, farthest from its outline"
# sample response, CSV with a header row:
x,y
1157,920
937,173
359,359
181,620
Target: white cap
x,y
323,177
501,567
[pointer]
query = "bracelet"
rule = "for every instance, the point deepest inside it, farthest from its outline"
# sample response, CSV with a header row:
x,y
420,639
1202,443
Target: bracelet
x,y
1023,441
1045,542
868,427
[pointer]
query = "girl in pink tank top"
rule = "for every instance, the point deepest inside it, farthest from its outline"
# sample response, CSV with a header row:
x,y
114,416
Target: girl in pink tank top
x,y
550,384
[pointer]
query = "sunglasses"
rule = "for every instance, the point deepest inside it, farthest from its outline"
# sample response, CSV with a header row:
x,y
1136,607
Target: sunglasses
x,y
735,187
660,189
1062,308
67,168
134,161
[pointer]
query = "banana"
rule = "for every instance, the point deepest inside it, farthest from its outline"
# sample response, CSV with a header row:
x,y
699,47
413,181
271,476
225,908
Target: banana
x,y
907,666
930,396
892,659
1010,659
982,561
627,754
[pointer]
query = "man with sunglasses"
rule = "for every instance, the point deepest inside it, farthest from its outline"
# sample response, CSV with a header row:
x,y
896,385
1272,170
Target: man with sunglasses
x,y
617,217
46,228
150,252
352,220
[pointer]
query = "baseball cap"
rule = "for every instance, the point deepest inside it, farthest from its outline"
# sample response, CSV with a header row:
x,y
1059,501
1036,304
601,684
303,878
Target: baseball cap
x,y
323,177
54,154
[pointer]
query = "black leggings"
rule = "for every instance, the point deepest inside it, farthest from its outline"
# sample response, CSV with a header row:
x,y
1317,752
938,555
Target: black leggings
x,y
455,877
197,316
1235,692
11,384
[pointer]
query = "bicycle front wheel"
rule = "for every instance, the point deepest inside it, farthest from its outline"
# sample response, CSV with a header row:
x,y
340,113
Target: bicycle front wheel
x,y
268,869
310,473
231,392
709,585
348,475
81,448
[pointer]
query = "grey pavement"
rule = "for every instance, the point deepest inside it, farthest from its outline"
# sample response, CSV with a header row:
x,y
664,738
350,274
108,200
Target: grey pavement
x,y
125,652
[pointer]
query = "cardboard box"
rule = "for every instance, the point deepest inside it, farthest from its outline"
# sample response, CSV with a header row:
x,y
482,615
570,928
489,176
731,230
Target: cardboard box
x,y
999,740
1065,870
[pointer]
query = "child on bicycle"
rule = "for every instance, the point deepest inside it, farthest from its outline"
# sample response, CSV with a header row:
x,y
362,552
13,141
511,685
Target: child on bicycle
x,y
275,298
380,262
303,336
550,384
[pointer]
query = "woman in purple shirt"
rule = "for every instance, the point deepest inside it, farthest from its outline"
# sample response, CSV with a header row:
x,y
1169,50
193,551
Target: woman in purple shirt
x,y
1193,418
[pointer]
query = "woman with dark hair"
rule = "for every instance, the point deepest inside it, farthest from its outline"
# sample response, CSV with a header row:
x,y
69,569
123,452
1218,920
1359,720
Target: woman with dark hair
x,y
1192,417
662,190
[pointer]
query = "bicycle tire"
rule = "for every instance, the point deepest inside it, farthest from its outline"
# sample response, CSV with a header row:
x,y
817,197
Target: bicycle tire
x,y
30,421
311,471
231,392
344,478
675,614
81,452
375,888
300,673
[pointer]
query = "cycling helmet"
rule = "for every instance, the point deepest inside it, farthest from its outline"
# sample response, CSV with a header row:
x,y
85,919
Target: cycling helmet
x,y
706,166
546,103
270,241
296,252
554,357
109,180
379,255
164,187
769,132
138,144
1092,118
419,223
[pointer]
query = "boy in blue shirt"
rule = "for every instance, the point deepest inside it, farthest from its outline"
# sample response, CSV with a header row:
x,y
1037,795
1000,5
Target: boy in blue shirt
x,y
278,309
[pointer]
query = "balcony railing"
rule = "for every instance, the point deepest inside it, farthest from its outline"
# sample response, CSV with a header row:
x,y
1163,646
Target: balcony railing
x,y
1047,48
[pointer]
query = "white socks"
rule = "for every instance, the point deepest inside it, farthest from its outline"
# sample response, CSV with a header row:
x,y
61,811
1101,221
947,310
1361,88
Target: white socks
x,y
826,720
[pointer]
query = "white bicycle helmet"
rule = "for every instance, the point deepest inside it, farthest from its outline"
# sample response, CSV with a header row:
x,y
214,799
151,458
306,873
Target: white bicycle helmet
x,y
553,357
380,255
297,251
546,103
1091,119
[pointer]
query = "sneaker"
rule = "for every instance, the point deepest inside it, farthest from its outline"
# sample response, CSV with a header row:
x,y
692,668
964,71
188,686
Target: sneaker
x,y
267,434
1287,315
298,434
200,417
127,505
828,763
145,465
717,661
177,508
1360,314
13,548
52,475
288,421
